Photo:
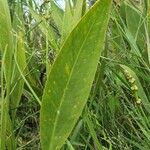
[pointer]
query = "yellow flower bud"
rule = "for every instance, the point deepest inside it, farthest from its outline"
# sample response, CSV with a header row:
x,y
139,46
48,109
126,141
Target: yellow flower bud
x,y
139,101
129,76
134,88
131,80
126,72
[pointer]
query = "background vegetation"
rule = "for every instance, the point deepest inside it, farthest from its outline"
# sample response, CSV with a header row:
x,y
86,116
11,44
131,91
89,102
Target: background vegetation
x,y
117,113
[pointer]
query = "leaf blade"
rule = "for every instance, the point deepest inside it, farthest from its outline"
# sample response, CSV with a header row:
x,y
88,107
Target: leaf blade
x,y
71,77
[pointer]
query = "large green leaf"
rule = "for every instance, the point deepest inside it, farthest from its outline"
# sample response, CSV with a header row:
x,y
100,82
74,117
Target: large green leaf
x,y
70,80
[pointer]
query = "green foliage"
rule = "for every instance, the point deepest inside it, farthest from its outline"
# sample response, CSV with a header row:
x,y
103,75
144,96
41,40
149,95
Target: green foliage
x,y
70,79
63,86
7,49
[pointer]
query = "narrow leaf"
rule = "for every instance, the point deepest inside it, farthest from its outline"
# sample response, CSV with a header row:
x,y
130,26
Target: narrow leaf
x,y
6,49
148,30
57,15
17,82
72,16
6,38
46,30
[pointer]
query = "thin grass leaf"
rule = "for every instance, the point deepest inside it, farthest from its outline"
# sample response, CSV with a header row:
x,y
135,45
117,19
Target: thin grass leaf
x,y
92,132
69,145
148,30
57,14
27,83
6,131
46,30
17,81
133,19
6,49
72,15
6,39
3,107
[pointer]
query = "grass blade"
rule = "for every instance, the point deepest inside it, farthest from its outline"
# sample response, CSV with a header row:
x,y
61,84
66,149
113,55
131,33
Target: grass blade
x,y
6,48
46,30
148,30
72,16
6,38
57,14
